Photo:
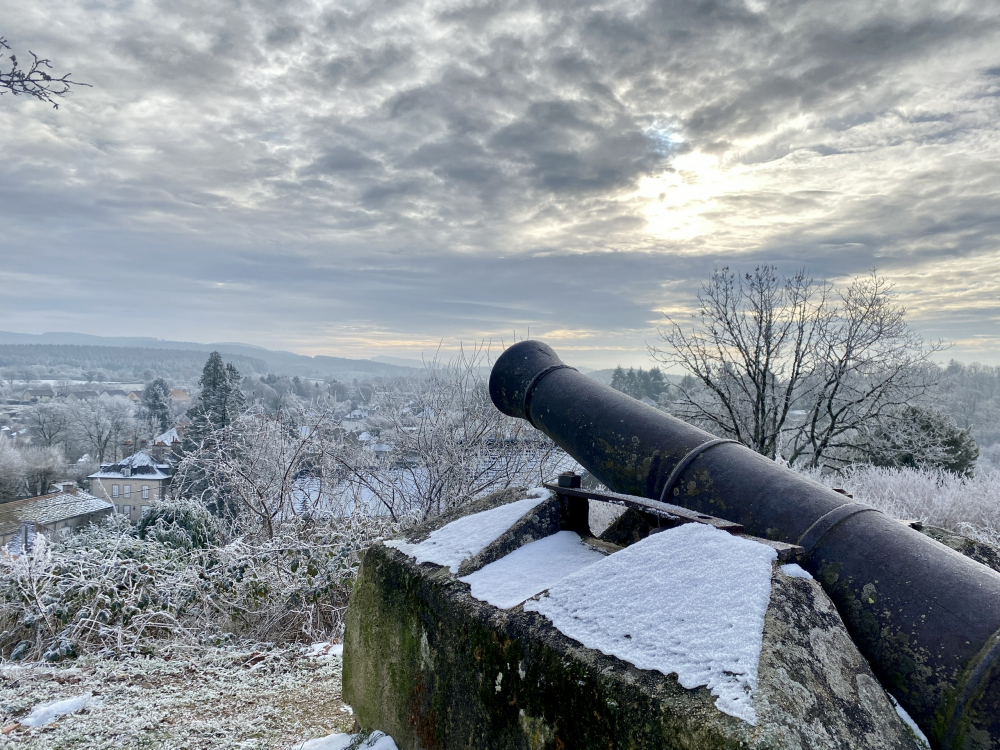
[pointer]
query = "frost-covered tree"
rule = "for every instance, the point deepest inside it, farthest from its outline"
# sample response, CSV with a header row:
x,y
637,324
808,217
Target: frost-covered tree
x,y
50,422
251,472
921,438
220,403
43,466
156,399
13,470
103,424
437,442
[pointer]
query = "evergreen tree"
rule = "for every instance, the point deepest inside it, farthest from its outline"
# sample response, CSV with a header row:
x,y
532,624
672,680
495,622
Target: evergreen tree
x,y
156,399
639,384
219,404
236,402
924,438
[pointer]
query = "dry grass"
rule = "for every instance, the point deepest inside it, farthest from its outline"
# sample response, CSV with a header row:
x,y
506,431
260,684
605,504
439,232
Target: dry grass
x,y
220,698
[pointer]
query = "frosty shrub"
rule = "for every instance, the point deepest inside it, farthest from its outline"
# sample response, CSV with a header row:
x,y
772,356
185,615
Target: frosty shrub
x,y
181,524
967,505
920,437
106,589
427,445
258,472
436,442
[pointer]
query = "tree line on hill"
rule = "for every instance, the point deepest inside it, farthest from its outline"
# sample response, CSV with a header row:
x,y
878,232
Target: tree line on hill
x,y
26,362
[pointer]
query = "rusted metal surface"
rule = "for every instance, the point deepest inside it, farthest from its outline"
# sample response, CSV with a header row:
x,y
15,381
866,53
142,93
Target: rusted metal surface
x,y
927,618
652,507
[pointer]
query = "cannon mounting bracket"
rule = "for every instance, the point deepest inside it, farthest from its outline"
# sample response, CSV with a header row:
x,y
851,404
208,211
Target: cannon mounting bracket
x,y
570,494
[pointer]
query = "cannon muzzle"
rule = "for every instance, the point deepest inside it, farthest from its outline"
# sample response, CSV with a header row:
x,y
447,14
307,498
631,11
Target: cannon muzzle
x,y
926,617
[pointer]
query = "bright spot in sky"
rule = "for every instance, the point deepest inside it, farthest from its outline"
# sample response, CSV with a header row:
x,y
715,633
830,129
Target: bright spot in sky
x,y
682,202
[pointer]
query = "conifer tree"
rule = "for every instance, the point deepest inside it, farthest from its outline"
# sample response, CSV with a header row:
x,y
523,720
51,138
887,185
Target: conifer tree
x,y
219,404
236,402
156,399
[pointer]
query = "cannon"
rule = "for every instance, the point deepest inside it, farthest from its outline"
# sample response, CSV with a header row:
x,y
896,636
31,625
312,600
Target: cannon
x,y
926,617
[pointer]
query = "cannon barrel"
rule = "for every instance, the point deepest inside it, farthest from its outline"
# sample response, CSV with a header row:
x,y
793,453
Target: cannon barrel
x,y
926,617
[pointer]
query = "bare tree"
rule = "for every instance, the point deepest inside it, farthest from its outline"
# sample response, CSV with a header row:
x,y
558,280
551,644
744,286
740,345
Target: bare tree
x,y
13,470
431,444
102,424
48,421
256,470
43,466
439,442
35,80
790,367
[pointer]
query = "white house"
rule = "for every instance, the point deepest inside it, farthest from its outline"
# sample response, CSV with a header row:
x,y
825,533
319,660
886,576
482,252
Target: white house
x,y
132,484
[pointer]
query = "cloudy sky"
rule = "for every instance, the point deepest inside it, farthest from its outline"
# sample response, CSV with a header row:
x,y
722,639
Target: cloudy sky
x,y
362,178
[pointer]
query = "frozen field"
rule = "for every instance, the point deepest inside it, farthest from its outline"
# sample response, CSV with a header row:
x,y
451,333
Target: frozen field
x,y
231,699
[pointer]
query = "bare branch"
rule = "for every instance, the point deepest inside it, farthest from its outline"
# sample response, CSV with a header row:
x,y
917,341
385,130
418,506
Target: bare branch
x,y
34,81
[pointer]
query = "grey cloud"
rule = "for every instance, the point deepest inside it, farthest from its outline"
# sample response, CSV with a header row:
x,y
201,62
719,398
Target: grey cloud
x,y
313,139
281,36
341,159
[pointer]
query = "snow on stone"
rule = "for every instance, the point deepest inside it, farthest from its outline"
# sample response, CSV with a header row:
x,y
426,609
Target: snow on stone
x,y
689,600
901,712
377,741
531,569
46,713
795,571
470,535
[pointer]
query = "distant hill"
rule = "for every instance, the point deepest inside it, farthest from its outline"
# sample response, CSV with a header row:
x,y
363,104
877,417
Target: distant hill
x,y
75,361
130,356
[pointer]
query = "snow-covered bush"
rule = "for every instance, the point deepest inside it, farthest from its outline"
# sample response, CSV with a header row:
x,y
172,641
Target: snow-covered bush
x,y
182,524
436,442
296,498
968,505
108,589
423,446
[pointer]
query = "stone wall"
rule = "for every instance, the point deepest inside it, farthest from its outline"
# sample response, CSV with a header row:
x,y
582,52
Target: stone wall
x,y
435,668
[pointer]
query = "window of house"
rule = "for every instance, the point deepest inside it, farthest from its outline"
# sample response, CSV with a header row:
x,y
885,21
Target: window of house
x,y
118,509
127,510
145,492
144,510
128,490
114,490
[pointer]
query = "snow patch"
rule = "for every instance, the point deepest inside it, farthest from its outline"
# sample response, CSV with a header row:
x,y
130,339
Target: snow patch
x,y
377,741
531,569
793,570
468,536
46,713
325,650
901,712
689,600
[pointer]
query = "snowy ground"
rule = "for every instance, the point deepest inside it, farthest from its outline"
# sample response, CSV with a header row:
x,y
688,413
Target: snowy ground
x,y
231,699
